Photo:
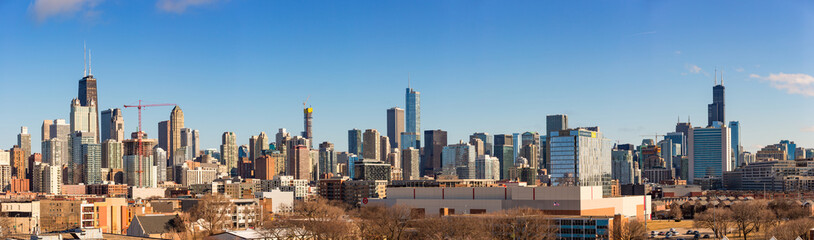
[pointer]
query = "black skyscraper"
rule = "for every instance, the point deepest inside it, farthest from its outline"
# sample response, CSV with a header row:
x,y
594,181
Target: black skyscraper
x,y
434,143
716,109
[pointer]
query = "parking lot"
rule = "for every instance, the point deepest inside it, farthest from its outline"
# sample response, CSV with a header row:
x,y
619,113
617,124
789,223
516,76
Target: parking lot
x,y
682,233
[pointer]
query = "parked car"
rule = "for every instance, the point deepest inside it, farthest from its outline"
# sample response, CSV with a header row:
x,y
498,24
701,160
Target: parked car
x,y
661,233
696,232
706,235
689,232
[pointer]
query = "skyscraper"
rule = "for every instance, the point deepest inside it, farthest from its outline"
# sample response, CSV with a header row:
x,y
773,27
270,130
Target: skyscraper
x,y
530,148
434,143
580,157
372,146
164,135
18,162
327,158
710,152
384,148
258,144
716,109
299,158
24,141
487,142
112,123
176,124
92,163
459,160
412,131
88,98
623,167
308,117
355,141
395,126
112,153
410,164
737,149
265,167
556,122
46,130
228,152
62,131
196,143
83,118
504,151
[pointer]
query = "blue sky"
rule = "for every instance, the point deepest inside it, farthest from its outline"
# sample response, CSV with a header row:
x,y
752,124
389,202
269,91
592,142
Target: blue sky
x,y
630,67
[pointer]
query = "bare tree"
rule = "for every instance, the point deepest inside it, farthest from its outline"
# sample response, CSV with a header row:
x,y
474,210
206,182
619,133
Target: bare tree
x,y
717,219
632,230
792,229
318,219
449,227
212,213
748,216
675,211
6,226
520,224
787,210
383,222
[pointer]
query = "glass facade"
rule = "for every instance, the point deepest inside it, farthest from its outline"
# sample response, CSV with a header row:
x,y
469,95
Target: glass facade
x,y
583,228
581,158
710,152
735,132
459,160
413,117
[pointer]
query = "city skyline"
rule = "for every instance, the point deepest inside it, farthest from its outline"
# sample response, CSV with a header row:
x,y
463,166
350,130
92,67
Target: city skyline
x,y
514,105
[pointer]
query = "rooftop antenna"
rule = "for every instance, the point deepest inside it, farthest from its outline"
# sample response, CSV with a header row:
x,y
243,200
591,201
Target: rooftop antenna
x,y
90,72
722,77
715,80
408,79
85,58
678,119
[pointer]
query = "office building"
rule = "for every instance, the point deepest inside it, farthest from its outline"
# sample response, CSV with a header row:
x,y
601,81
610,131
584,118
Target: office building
x,y
530,148
735,134
112,125
487,142
556,122
716,109
46,130
258,144
710,152
355,141
54,152
265,167
160,162
228,152
164,135
412,119
678,138
384,148
83,118
410,164
580,157
24,141
18,162
623,168
369,169
139,175
395,126
789,147
176,124
434,143
299,158
458,160
112,153
87,97
327,158
487,167
371,144
504,151
92,163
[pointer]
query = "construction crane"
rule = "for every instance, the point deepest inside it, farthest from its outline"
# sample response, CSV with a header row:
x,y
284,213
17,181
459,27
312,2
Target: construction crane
x,y
655,136
139,133
306,101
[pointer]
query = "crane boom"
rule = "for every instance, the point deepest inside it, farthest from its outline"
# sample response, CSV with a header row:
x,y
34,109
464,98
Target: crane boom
x,y
139,133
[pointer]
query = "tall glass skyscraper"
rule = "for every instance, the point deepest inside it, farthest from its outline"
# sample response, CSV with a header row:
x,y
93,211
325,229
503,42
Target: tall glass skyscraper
x,y
735,131
412,131
716,108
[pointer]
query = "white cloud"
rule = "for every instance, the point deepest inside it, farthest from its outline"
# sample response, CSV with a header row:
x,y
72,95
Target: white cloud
x,y
739,69
678,52
180,6
694,68
44,9
792,83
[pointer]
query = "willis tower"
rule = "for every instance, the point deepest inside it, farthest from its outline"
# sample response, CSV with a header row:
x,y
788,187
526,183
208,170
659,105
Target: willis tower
x,y
715,110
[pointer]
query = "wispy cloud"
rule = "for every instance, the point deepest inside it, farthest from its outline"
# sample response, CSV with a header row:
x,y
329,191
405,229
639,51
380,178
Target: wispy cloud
x,y
792,83
677,52
180,6
694,68
808,129
739,69
42,10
